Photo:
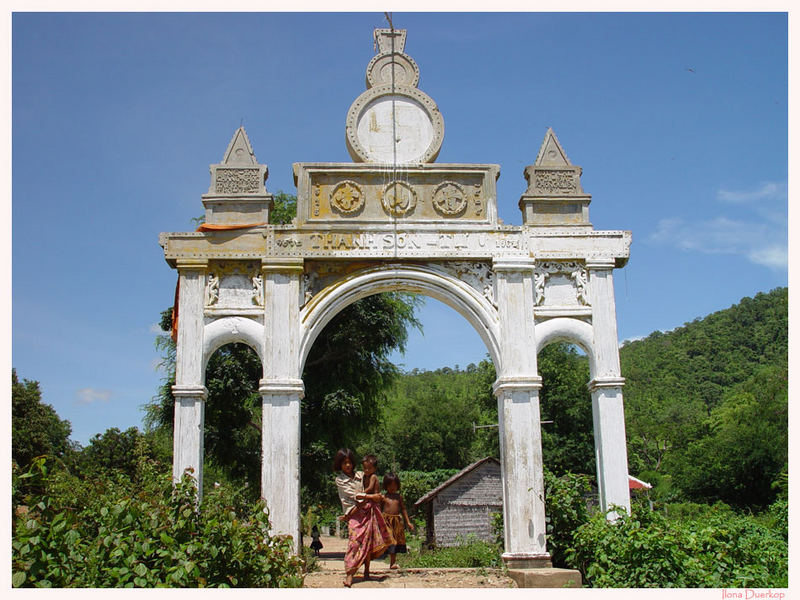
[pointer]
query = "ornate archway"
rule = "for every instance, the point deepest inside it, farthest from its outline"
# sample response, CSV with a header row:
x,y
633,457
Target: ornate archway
x,y
385,223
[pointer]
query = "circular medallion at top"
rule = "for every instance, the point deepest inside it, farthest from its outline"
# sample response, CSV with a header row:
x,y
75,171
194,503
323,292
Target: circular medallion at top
x,y
399,198
449,199
387,65
397,126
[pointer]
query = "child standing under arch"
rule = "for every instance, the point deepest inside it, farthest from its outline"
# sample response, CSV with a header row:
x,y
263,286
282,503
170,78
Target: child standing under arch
x,y
394,513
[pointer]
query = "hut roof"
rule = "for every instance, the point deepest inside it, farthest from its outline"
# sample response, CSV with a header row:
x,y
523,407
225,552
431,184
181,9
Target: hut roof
x,y
434,492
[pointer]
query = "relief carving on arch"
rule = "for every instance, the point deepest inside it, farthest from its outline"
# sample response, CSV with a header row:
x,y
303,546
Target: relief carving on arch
x,y
559,283
234,285
478,275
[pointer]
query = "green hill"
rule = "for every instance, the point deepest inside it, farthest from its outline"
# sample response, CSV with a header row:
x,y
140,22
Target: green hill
x,y
706,403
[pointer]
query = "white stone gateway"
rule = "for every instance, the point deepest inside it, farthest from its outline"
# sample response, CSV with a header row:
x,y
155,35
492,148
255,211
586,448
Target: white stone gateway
x,y
393,220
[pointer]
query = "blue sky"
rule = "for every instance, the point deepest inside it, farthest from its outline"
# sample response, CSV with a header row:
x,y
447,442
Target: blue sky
x,y
679,121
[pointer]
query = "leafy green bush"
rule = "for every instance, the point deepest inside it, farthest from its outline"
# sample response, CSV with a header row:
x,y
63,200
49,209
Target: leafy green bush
x,y
646,549
100,534
566,509
470,553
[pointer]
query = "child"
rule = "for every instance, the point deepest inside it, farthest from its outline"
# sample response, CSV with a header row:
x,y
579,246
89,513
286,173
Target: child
x,y
370,479
394,513
316,545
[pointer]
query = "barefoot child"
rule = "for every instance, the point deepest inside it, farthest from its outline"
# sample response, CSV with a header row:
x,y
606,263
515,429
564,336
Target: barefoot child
x,y
394,513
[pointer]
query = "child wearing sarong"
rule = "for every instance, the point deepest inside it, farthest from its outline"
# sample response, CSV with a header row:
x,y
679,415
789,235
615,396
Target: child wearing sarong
x,y
369,537
394,513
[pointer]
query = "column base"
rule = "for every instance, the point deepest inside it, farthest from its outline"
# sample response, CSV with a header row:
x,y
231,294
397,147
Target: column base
x,y
526,560
546,577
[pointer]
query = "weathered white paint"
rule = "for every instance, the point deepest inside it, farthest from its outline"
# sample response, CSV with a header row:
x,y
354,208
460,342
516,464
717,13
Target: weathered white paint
x,y
604,319
280,466
565,329
189,391
609,441
188,432
189,356
228,330
606,386
281,391
517,390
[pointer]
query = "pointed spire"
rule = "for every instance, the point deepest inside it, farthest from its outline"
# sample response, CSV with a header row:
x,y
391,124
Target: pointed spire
x,y
554,197
551,154
239,151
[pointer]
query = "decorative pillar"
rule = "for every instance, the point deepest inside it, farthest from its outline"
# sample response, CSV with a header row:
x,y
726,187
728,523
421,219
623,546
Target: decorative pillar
x,y
606,388
517,390
281,390
189,392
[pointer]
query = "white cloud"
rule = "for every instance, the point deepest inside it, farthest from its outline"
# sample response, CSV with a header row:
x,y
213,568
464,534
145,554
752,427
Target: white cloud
x,y
759,232
91,395
769,190
776,256
155,328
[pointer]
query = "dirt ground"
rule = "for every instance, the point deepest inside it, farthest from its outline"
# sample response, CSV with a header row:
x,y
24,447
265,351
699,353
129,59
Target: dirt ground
x,y
331,573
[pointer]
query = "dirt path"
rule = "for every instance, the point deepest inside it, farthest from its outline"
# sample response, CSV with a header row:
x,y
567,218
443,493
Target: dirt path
x,y
331,573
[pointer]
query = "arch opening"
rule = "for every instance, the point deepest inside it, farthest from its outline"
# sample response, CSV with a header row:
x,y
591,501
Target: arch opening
x,y
567,330
566,409
232,421
413,279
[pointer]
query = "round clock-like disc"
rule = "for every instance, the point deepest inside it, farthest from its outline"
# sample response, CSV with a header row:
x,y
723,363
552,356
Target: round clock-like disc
x,y
394,129
400,126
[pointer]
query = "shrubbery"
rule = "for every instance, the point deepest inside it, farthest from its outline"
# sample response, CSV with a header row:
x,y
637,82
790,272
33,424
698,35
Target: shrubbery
x,y
647,549
111,532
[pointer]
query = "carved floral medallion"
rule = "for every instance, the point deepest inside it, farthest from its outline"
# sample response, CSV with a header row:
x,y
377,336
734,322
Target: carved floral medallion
x,y
347,197
449,199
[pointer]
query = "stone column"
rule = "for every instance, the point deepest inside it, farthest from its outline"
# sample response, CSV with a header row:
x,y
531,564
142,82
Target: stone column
x,y
517,390
606,388
189,391
281,390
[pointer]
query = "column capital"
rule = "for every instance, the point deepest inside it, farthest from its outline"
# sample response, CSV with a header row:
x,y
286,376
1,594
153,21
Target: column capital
x,y
516,384
282,265
605,382
281,386
600,262
511,264
190,391
186,264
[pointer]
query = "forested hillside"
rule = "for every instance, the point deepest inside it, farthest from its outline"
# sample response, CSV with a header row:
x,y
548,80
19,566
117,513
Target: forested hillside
x,y
706,403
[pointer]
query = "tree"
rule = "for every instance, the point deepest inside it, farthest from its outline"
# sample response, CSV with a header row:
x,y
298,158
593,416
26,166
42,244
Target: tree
x,y
427,420
567,442
747,449
36,429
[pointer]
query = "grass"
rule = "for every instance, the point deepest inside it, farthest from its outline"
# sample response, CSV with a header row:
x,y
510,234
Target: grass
x,y
470,553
